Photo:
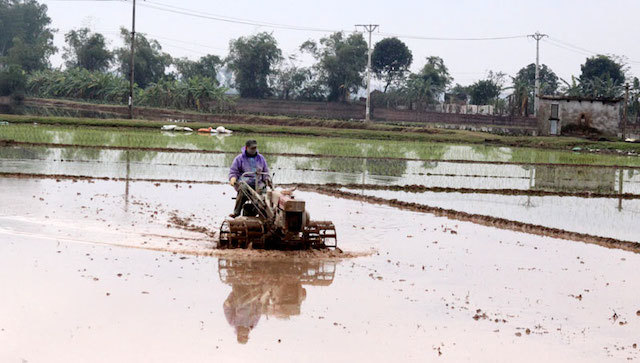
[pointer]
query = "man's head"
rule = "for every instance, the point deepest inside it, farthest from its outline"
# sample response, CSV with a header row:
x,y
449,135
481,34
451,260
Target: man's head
x,y
251,146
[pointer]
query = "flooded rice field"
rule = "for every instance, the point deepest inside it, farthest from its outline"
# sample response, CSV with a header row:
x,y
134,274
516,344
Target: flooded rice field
x,y
196,166
90,264
304,145
616,218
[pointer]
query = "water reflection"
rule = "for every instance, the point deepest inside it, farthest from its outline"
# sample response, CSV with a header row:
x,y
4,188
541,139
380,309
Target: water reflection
x,y
269,288
573,179
204,167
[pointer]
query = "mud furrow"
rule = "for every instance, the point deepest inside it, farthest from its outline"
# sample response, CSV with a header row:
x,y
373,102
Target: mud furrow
x,y
311,186
423,189
486,220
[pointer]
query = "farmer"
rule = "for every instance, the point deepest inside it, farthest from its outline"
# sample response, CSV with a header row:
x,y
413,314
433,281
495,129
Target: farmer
x,y
249,161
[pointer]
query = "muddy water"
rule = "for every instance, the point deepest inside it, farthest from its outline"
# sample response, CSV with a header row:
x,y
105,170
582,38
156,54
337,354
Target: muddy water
x,y
433,289
214,167
604,217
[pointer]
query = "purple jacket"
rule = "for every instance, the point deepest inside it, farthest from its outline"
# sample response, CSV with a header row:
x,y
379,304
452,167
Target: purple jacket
x,y
243,163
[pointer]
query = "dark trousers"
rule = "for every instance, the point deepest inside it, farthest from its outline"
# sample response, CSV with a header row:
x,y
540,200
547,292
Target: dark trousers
x,y
241,199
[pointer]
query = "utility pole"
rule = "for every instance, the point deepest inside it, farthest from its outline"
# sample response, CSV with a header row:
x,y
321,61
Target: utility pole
x,y
537,36
133,42
624,111
369,28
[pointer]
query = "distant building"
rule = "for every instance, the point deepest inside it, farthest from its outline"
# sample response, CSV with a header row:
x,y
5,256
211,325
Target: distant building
x,y
558,112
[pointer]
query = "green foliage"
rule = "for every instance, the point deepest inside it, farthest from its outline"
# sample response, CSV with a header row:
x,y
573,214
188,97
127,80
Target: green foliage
x,y
86,50
252,60
458,93
486,91
290,81
197,93
602,76
12,81
340,63
25,37
524,87
602,67
426,86
78,83
571,88
483,92
391,60
202,94
206,66
149,61
548,79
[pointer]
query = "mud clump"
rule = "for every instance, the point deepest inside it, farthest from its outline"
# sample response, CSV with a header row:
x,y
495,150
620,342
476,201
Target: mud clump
x,y
185,223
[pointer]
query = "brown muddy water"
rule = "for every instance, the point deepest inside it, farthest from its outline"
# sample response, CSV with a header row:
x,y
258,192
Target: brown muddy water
x,y
99,271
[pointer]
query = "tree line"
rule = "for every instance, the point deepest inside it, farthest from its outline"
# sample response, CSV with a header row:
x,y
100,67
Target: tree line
x,y
259,70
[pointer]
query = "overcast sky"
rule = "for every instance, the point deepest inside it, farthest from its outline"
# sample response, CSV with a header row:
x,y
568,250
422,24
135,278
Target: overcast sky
x,y
575,28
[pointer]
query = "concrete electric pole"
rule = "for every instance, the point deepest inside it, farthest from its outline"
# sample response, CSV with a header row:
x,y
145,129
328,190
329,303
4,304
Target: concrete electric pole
x,y
369,28
624,111
133,42
537,36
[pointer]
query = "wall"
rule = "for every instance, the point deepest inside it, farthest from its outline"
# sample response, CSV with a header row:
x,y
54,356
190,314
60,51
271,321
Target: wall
x,y
356,111
601,115
325,110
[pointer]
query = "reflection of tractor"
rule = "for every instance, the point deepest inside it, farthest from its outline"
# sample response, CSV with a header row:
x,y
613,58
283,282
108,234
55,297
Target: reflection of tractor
x,y
270,288
274,220
312,272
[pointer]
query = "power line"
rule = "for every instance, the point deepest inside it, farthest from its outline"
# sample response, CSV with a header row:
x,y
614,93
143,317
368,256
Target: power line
x,y
241,20
452,39
199,14
223,18
192,13
558,45
217,17
574,48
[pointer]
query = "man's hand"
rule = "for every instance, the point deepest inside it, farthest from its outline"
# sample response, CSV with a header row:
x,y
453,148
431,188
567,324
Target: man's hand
x,y
232,181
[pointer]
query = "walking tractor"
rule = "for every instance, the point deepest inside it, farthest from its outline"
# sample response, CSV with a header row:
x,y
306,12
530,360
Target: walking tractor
x,y
274,219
